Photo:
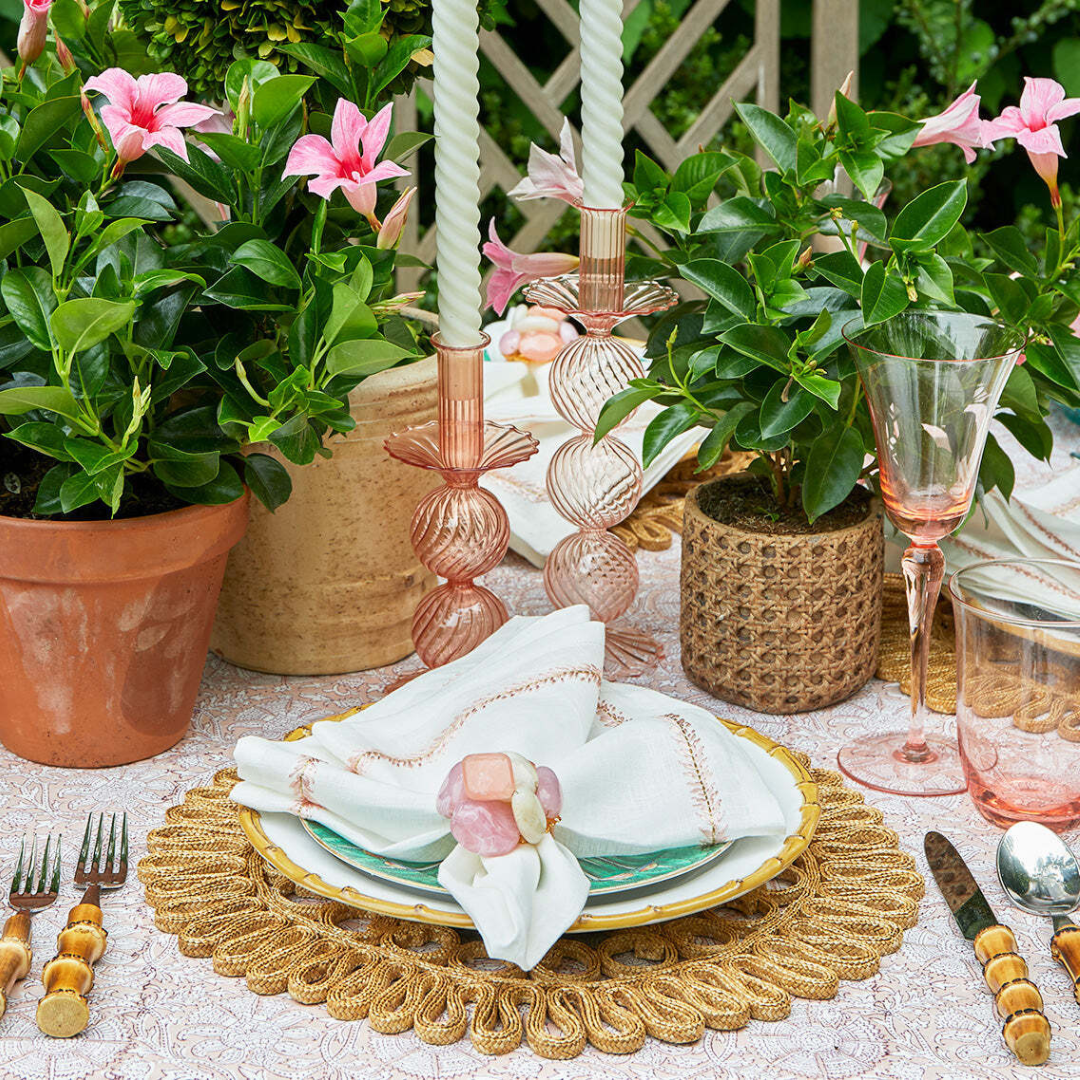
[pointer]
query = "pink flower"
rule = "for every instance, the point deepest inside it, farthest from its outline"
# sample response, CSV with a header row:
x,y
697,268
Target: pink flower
x,y
959,124
348,160
389,233
1034,126
146,112
513,270
552,177
33,30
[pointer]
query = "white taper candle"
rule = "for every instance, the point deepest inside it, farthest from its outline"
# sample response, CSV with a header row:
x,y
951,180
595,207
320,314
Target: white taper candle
x,y
456,45
602,102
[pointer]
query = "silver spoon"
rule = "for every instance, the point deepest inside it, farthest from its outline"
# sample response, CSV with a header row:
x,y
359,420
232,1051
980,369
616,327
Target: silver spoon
x,y
1041,875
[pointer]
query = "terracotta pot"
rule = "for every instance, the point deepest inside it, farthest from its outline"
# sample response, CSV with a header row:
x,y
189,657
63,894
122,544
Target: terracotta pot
x,y
104,627
779,623
329,582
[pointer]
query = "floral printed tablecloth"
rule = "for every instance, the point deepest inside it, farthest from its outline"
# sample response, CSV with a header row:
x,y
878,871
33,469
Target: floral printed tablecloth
x,y
158,1015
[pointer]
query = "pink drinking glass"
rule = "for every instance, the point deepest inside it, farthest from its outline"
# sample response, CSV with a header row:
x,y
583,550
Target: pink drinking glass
x,y
1018,688
932,381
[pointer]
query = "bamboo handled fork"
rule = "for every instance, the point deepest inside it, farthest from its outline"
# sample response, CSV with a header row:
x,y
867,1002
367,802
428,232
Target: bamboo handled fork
x,y
69,976
34,886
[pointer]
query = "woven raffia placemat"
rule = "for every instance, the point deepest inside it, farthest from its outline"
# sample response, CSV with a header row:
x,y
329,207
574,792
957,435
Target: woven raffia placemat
x,y
841,906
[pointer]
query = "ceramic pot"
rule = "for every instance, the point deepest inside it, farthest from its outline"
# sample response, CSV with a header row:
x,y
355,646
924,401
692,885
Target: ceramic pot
x,y
104,627
779,623
328,583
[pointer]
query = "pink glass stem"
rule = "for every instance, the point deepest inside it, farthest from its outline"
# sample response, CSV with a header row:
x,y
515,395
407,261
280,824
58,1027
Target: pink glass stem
x,y
601,272
460,530
461,403
924,570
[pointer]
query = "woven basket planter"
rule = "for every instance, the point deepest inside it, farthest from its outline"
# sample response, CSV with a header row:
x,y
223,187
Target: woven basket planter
x,y
779,623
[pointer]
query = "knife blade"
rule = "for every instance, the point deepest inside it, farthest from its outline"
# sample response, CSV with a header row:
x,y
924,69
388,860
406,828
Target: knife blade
x,y
1016,997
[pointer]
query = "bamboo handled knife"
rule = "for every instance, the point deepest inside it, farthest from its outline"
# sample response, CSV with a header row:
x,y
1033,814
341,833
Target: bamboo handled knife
x,y
1017,998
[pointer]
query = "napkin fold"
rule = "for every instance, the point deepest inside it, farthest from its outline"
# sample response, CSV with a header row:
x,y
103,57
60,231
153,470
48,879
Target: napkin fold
x,y
639,772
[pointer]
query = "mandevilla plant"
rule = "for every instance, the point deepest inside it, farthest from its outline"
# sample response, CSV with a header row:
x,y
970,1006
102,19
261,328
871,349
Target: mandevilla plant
x,y
785,261
140,370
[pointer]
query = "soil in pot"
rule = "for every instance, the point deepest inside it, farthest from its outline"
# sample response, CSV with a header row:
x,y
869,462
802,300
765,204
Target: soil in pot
x,y
778,615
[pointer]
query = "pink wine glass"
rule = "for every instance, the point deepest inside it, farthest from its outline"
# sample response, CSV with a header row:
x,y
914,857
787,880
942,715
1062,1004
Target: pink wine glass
x,y
932,382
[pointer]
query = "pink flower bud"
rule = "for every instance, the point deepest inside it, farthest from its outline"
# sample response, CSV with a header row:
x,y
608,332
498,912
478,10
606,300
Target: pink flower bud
x,y
33,30
394,223
63,54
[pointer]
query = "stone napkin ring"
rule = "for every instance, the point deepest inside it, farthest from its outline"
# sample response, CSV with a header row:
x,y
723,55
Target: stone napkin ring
x,y
497,801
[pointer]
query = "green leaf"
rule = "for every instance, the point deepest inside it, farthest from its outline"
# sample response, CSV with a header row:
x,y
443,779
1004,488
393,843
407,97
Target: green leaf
x,y
94,457
296,440
779,415
43,122
673,214
820,386
237,153
400,146
832,469
21,399
766,344
851,121
267,261
1009,298
45,438
929,217
771,134
618,407
13,234
1008,245
1034,436
30,300
350,318
363,357
872,222
226,487
97,26
647,174
842,269
114,232
181,468
1066,62
1067,346
80,324
935,280
51,226
205,175
48,492
712,446
78,490
141,199
666,426
865,169
240,288
68,20
697,175
275,99
9,137
268,479
722,282
256,72
77,164
1020,395
1046,361
323,62
996,469
396,60
883,295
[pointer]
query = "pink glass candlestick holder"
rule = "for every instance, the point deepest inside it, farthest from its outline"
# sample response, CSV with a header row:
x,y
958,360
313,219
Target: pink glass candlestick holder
x,y
596,487
459,531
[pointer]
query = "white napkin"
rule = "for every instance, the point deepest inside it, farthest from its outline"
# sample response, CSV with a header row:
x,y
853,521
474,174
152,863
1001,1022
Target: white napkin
x,y
517,393
639,772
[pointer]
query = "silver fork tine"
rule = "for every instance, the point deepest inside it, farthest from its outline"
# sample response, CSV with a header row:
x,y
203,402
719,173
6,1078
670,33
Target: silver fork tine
x,y
54,883
124,841
110,867
16,881
97,842
85,850
44,867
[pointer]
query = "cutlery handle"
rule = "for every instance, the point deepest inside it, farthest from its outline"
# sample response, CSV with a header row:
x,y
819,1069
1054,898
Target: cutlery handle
x,y
1065,949
1016,997
69,975
15,954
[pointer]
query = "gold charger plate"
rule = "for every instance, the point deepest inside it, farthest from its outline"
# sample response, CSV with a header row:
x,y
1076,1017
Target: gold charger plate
x,y
793,846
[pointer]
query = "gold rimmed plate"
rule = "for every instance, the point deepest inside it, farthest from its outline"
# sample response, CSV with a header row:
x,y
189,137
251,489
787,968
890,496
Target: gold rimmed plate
x,y
284,843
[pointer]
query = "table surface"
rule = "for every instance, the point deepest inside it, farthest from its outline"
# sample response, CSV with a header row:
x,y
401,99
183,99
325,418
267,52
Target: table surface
x,y
158,1015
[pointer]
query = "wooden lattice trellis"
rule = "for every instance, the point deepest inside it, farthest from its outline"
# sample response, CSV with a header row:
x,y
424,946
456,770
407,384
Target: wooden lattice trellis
x,y
757,74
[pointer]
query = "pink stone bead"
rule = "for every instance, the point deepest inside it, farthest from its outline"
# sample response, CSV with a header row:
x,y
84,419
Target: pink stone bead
x,y
540,348
485,828
451,793
547,313
568,332
488,777
509,343
548,791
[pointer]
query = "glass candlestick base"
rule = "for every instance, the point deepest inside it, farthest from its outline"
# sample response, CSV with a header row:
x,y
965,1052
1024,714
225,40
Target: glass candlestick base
x,y
879,762
459,531
596,487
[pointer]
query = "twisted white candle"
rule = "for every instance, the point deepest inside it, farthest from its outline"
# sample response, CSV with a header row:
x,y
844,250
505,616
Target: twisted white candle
x,y
456,45
601,102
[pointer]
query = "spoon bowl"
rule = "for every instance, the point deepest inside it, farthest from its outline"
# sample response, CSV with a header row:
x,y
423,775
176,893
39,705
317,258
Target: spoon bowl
x,y
1037,871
